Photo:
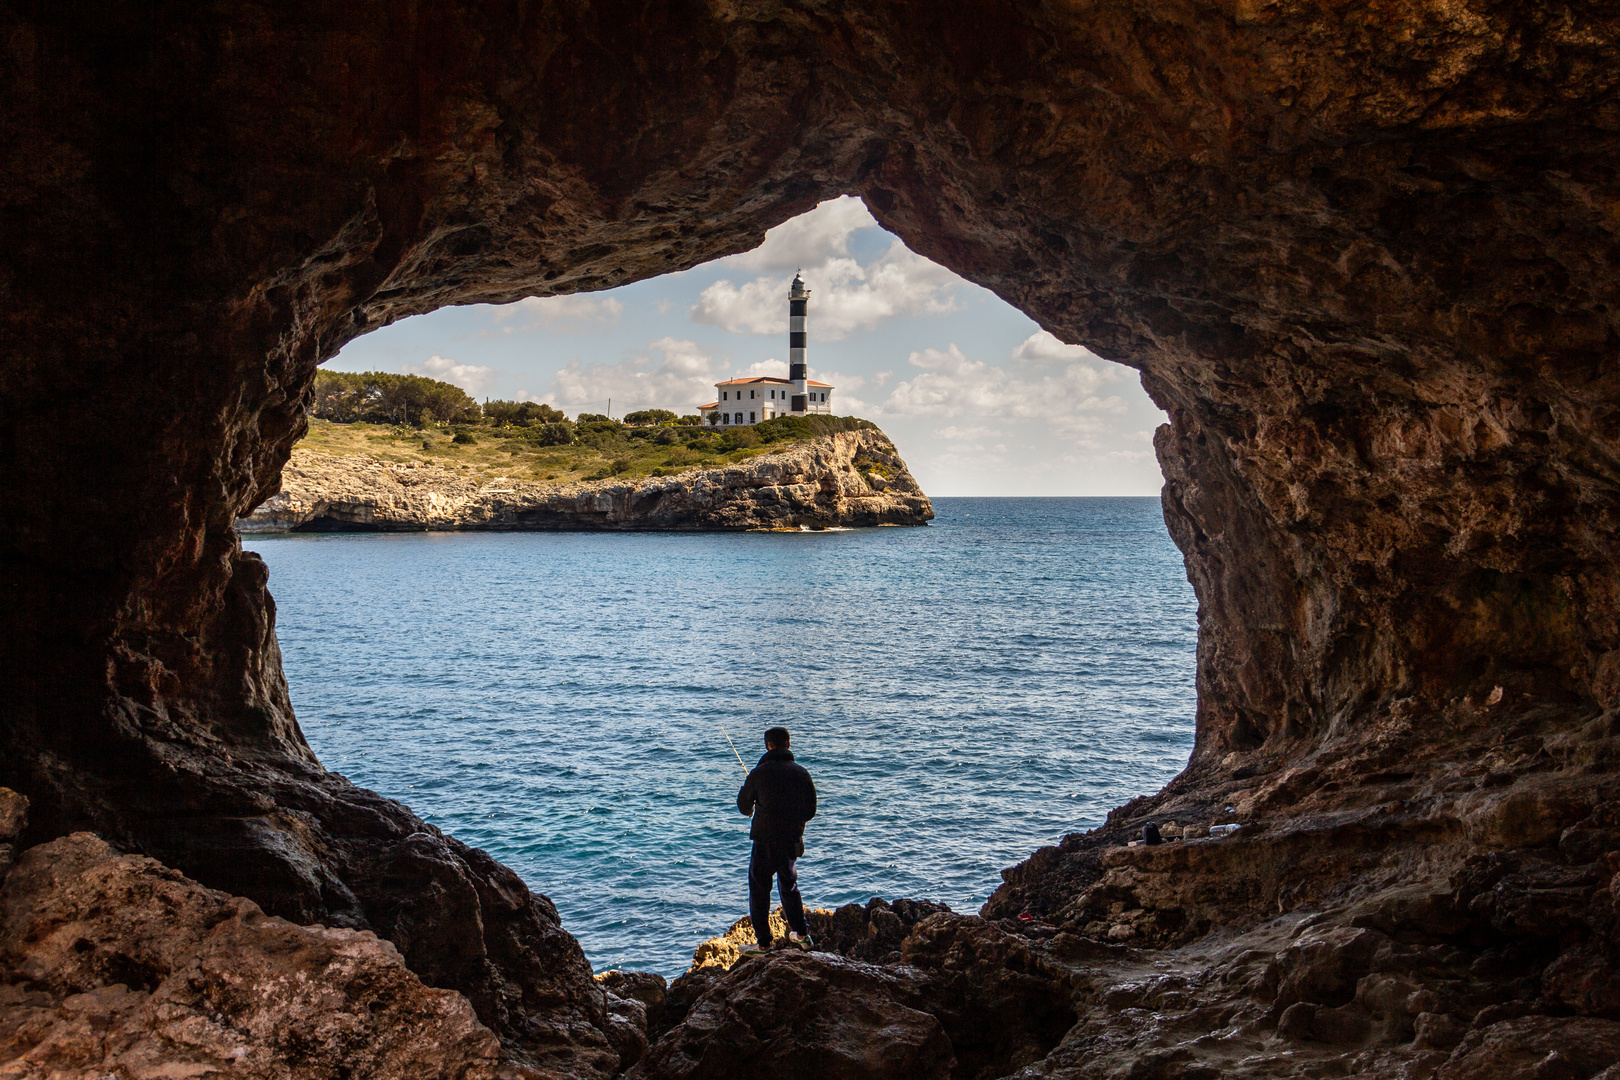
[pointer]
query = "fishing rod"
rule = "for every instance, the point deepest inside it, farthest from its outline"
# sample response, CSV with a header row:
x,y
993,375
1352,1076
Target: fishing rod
x,y
727,734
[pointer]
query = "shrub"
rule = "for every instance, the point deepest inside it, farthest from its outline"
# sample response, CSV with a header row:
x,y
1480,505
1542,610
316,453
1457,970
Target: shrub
x,y
739,439
557,433
464,438
592,418
666,437
782,428
690,420
612,469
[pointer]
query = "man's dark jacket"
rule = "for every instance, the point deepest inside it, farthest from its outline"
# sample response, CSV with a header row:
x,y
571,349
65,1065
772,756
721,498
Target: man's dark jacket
x,y
780,795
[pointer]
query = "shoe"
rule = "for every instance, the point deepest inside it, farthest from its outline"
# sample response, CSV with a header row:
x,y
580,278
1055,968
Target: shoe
x,y
803,941
756,949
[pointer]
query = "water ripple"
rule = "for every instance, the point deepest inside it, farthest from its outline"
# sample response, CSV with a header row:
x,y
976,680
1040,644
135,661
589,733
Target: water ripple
x,y
963,694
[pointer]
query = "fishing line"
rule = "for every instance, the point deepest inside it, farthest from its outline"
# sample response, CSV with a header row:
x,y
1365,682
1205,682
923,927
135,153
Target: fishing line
x,y
727,734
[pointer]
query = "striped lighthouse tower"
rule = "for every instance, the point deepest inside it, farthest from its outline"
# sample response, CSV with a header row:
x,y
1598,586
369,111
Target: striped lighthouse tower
x,y
798,367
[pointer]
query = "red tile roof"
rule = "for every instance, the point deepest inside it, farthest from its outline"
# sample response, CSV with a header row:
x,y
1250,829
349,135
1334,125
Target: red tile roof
x,y
767,379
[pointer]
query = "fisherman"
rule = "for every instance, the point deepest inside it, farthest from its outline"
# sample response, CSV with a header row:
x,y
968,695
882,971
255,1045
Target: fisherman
x,y
781,797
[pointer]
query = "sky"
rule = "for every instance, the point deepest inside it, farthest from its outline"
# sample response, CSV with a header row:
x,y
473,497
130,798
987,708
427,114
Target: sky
x,y
978,399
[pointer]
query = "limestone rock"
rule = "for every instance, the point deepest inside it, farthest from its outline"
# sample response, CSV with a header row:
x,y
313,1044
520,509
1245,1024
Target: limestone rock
x,y
1002,1002
646,987
1535,1048
818,484
724,950
13,817
117,965
1362,254
873,932
792,1015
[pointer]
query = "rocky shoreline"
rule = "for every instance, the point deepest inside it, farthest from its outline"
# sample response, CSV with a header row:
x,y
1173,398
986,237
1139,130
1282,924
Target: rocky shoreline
x,y
848,479
113,963
1362,255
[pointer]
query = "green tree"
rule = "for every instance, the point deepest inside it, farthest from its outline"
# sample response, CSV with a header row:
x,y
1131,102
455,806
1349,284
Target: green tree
x,y
381,397
650,416
522,413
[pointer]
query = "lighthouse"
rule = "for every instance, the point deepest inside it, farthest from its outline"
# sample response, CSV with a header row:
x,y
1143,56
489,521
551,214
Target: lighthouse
x,y
798,367
760,397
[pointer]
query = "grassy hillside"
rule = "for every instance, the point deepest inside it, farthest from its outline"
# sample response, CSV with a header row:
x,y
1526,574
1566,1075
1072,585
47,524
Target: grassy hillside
x,y
600,449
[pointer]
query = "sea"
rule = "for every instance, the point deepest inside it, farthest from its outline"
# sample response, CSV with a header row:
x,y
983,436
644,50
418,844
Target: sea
x,y
576,704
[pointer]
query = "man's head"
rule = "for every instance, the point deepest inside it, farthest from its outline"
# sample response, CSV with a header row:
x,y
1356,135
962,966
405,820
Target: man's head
x,y
776,738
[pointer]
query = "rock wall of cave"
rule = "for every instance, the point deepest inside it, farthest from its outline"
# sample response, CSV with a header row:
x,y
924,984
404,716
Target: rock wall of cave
x,y
1364,256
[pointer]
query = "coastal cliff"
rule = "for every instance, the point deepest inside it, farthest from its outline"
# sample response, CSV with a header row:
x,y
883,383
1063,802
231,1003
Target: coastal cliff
x,y
847,479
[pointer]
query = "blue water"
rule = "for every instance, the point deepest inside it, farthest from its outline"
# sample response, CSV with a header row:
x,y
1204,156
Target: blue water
x,y
962,694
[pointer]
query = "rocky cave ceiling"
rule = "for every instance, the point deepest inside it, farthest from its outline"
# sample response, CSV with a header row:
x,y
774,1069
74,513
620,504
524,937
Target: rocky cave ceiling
x,y
1363,255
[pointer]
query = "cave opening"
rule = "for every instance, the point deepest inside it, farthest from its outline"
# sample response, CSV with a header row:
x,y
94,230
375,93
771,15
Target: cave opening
x,y
1362,257
964,693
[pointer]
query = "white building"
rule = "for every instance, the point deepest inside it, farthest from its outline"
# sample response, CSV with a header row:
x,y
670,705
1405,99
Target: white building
x,y
748,401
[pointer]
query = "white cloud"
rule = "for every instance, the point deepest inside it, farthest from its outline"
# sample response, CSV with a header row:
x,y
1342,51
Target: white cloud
x,y
577,314
681,377
1043,348
811,239
951,384
955,433
846,400
765,369
846,296
472,378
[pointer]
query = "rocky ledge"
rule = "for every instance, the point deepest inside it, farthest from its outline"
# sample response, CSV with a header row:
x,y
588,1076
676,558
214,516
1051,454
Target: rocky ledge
x,y
116,965
852,478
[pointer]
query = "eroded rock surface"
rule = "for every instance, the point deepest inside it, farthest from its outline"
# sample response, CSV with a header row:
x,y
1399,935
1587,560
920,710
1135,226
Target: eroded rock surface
x,y
1364,255
997,1002
115,965
803,1015
835,480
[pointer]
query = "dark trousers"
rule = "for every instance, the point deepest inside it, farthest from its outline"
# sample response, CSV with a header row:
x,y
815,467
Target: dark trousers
x,y
778,859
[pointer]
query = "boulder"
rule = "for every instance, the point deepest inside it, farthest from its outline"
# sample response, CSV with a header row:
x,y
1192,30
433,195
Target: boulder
x,y
1585,980
792,1015
724,950
1003,1004
1325,965
871,932
1535,1048
116,965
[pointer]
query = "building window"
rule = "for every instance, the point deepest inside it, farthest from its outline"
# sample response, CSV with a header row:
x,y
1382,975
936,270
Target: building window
x,y
722,395
750,418
750,395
